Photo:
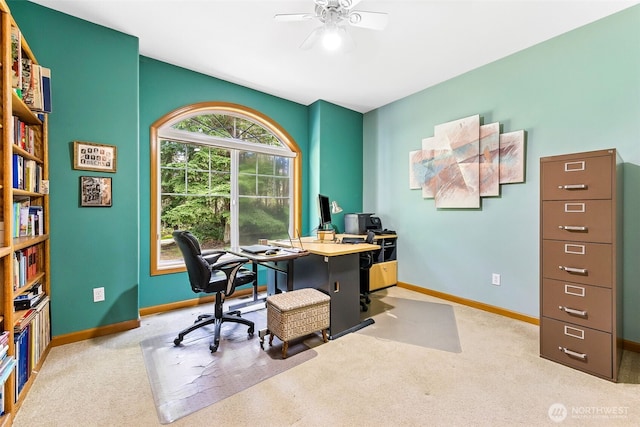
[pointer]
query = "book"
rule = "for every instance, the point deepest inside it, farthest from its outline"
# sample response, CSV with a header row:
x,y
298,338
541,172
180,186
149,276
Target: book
x,y
17,170
45,74
4,338
27,85
22,358
24,220
35,102
6,368
36,217
16,57
24,320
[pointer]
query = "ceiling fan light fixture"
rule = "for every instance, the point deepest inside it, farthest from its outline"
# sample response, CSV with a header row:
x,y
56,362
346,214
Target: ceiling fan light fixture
x,y
331,40
337,16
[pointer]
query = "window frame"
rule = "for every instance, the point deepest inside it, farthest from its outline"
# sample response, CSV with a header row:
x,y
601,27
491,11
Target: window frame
x,y
214,108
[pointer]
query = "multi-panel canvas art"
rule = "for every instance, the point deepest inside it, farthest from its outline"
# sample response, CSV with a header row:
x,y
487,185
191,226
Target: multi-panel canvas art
x,y
464,161
512,157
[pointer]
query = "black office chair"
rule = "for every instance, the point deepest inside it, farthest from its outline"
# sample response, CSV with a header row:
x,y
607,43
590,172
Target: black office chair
x,y
207,274
366,261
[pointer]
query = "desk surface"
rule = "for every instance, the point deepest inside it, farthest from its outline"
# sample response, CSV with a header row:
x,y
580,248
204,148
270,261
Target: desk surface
x,y
261,257
314,246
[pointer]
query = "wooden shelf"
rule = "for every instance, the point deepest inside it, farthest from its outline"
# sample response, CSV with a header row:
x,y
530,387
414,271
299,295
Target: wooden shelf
x,y
35,346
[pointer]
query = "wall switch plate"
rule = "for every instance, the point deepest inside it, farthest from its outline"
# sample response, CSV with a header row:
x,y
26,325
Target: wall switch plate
x,y
495,279
98,294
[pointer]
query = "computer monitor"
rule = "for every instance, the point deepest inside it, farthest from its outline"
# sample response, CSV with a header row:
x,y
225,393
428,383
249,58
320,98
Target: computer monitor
x,y
325,211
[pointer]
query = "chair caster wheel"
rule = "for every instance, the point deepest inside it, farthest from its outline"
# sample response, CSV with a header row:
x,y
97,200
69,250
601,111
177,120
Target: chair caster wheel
x,y
213,348
177,341
250,331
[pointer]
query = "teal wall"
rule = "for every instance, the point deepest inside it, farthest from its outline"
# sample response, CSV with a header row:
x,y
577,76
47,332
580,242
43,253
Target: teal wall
x,y
164,88
94,98
104,92
336,151
577,92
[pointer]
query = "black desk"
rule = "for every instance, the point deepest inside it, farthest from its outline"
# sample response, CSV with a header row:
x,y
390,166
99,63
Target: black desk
x,y
329,267
334,269
282,262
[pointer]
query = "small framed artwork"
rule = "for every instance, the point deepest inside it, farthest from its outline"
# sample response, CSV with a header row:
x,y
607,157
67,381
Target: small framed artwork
x,y
95,191
94,157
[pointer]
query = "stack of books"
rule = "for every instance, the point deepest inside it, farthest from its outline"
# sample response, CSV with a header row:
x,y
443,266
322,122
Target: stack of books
x,y
7,364
28,299
32,82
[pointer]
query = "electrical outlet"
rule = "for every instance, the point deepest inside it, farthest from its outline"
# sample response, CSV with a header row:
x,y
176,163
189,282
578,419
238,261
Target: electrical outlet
x,y
495,279
98,294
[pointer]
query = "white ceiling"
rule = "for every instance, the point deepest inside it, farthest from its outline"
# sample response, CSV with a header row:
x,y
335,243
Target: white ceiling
x,y
425,42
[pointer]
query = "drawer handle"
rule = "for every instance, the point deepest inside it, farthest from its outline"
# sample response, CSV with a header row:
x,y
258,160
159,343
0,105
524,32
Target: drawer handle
x,y
582,313
573,270
572,353
572,227
573,187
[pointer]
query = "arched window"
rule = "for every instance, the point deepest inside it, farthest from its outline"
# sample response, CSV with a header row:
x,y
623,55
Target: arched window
x,y
225,172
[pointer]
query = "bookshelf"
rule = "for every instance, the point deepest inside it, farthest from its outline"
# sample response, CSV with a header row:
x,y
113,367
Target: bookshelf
x,y
25,330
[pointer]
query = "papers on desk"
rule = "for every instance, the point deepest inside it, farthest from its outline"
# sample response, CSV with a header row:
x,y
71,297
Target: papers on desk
x,y
293,250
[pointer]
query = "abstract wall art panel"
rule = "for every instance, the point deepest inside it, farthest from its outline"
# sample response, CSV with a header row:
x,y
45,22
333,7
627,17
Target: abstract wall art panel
x,y
436,155
458,182
490,160
512,157
416,169
464,161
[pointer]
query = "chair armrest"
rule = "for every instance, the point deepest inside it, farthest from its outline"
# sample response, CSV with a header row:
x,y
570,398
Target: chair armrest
x,y
230,268
228,263
212,256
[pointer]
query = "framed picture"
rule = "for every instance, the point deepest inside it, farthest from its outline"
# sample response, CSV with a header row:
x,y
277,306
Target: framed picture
x,y
94,157
95,191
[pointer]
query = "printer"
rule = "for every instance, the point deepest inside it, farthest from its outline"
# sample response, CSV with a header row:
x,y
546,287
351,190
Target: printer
x,y
360,223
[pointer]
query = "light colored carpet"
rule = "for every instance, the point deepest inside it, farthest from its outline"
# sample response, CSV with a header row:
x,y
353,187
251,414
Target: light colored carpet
x,y
188,378
498,379
422,323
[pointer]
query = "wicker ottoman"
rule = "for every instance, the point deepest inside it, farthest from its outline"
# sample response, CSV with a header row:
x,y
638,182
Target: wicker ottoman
x,y
295,314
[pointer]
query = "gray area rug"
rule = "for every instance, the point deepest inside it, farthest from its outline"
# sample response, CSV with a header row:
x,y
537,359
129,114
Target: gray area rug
x,y
188,378
420,323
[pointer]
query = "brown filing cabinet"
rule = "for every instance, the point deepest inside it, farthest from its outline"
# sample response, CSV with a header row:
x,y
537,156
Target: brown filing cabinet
x,y
581,261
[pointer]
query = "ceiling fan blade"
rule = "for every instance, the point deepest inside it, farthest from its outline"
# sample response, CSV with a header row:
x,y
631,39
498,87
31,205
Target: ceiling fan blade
x,y
313,38
293,17
370,20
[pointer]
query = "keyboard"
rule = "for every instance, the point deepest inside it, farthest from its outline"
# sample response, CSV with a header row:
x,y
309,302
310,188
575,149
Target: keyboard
x,y
292,250
352,240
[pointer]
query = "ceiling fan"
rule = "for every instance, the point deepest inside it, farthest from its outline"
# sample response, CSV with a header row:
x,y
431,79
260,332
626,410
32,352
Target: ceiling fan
x,y
336,15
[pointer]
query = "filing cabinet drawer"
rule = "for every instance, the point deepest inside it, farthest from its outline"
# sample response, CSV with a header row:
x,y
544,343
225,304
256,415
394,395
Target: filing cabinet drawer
x,y
577,178
583,305
583,220
578,262
383,274
579,347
